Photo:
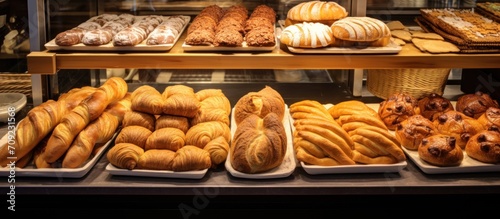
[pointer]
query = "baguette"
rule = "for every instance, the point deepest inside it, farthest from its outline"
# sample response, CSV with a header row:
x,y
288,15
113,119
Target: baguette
x,y
88,110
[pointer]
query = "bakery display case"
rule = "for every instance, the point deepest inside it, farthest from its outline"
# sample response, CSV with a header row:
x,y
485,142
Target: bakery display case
x,y
326,78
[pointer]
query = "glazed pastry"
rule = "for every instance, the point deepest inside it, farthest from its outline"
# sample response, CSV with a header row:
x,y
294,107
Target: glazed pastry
x,y
396,108
97,37
433,105
440,150
307,35
411,131
70,37
458,125
484,147
473,105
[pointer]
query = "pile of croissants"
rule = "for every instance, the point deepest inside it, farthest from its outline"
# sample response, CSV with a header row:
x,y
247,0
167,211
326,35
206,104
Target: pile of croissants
x,y
176,130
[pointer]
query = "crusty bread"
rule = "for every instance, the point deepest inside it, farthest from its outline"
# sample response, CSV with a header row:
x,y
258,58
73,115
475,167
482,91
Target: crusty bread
x,y
316,11
363,29
307,35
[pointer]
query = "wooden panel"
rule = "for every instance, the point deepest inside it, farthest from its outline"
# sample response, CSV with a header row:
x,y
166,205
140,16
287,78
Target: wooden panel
x,y
41,63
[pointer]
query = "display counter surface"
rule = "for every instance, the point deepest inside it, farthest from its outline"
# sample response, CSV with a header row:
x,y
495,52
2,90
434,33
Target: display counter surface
x,y
49,62
409,181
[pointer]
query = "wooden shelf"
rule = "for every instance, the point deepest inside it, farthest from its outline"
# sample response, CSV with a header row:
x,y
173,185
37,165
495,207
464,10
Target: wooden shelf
x,y
49,62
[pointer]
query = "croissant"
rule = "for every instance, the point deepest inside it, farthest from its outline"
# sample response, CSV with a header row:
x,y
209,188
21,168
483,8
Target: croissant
x,y
165,121
180,100
145,120
156,159
207,115
134,134
259,103
100,130
31,130
259,144
202,133
216,102
125,155
190,158
148,100
166,138
220,101
218,149
88,110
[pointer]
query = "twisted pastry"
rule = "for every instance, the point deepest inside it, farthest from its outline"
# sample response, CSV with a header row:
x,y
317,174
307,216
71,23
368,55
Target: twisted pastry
x,y
100,130
374,145
88,110
40,121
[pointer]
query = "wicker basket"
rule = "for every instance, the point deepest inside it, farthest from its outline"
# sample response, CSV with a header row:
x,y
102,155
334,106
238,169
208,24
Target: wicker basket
x,y
416,82
15,83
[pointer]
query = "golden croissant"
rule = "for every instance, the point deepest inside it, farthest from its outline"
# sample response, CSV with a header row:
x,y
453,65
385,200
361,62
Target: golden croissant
x,y
124,155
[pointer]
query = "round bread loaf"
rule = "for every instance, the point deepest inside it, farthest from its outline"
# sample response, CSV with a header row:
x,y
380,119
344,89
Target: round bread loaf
x,y
364,29
434,105
325,12
397,108
440,150
484,147
259,103
307,35
475,104
411,131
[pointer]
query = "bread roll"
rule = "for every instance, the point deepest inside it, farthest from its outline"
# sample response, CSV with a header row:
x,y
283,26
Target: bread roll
x,y
307,35
411,131
396,108
490,119
325,12
440,150
484,147
473,105
458,125
360,29
259,144
434,105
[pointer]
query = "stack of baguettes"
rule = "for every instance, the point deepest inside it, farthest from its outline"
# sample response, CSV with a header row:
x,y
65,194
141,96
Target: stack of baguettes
x,y
176,130
65,133
345,134
319,24
259,142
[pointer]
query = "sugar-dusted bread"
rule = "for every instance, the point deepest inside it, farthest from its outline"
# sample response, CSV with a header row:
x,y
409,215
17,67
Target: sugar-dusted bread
x,y
325,12
307,35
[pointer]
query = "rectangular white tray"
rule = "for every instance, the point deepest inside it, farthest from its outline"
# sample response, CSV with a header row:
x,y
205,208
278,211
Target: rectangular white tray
x,y
357,168
284,170
468,165
195,174
31,171
141,47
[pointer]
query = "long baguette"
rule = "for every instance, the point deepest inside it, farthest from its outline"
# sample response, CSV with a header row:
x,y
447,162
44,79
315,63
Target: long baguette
x,y
39,122
88,110
100,130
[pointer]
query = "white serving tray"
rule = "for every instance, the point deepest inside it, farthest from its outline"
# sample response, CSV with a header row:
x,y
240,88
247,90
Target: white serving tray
x,y
141,47
356,168
31,171
468,165
284,170
194,174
